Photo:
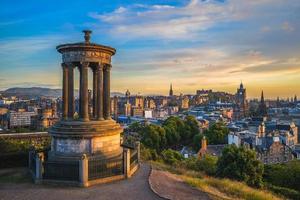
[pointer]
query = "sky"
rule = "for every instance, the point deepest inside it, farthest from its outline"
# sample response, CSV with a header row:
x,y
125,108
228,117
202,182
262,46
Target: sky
x,y
193,44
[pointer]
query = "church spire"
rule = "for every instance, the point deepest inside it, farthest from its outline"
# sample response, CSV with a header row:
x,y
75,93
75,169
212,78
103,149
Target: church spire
x,y
171,90
262,99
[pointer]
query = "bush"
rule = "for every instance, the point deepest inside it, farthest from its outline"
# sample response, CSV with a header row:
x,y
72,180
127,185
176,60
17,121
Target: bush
x,y
171,157
240,163
284,175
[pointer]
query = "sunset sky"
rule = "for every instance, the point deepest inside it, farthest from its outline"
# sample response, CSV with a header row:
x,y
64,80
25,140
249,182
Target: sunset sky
x,y
193,44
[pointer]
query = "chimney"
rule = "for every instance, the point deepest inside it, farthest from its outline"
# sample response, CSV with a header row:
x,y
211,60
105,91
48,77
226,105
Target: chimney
x,y
204,143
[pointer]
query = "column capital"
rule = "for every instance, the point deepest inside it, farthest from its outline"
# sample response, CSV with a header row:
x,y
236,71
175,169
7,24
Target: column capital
x,y
84,64
107,67
97,67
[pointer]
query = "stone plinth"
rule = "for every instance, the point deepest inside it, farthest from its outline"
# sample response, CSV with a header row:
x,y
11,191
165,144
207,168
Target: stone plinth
x,y
72,139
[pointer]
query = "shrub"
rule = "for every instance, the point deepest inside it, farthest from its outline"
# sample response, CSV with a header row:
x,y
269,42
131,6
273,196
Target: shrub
x,y
171,157
240,163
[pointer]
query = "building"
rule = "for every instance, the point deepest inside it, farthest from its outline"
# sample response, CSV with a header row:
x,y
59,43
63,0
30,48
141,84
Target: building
x,y
184,102
20,118
262,109
171,91
241,107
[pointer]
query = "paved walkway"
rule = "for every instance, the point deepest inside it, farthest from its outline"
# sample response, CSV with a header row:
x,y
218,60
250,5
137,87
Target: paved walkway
x,y
135,188
169,186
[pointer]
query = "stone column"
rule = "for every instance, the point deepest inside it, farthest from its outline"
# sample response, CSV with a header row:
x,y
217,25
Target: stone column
x,y
65,92
84,105
70,90
39,166
95,92
100,92
126,157
106,96
83,171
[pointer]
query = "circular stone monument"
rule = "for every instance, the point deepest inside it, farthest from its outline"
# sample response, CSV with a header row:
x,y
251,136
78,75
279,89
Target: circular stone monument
x,y
93,135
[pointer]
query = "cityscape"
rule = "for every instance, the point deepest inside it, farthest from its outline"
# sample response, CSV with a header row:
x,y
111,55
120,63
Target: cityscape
x,y
138,102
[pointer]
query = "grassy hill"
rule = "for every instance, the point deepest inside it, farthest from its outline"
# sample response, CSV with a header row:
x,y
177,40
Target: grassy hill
x,y
216,188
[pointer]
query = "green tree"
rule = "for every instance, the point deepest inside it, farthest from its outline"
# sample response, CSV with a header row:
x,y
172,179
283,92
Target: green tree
x,y
197,141
191,128
171,157
154,137
217,133
240,163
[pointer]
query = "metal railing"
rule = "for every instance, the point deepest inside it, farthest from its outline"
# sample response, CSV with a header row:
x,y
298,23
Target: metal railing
x,y
102,168
67,171
32,161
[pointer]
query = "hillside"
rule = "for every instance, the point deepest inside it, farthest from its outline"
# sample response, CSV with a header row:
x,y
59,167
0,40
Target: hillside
x,y
39,91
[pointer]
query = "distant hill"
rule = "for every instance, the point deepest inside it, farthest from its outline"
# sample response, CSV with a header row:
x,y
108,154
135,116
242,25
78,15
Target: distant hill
x,y
39,91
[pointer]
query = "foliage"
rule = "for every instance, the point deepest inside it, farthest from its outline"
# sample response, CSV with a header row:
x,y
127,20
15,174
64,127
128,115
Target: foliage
x,y
154,137
197,141
171,157
173,133
240,163
207,164
22,145
284,175
148,154
287,192
217,133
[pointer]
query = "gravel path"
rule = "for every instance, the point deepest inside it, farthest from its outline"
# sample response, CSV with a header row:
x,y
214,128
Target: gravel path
x,y
136,188
169,186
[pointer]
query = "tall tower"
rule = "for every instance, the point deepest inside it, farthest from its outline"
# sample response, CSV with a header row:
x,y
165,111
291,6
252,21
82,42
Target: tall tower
x,y
171,90
262,109
241,102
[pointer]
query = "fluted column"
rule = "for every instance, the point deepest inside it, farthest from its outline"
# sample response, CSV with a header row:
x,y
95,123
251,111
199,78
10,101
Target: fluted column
x,y
99,68
65,91
106,88
70,90
84,105
95,92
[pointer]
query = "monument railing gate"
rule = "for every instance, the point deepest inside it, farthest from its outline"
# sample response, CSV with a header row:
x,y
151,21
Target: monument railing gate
x,y
65,171
101,168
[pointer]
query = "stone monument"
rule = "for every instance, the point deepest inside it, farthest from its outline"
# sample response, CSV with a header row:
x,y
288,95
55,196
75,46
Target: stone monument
x,y
85,150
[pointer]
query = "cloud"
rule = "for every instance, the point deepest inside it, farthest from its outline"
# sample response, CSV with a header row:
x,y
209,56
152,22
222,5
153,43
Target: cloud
x,y
286,26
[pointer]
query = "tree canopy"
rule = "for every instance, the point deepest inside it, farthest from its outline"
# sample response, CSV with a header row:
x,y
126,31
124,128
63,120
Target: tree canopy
x,y
240,163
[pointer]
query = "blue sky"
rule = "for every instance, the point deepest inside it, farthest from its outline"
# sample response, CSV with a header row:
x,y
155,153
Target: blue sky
x,y
193,44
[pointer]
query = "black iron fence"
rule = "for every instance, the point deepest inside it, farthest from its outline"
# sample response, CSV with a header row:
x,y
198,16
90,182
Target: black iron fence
x,y
66,170
32,161
102,168
133,158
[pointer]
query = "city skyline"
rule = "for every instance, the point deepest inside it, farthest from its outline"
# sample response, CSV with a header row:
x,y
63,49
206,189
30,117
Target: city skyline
x,y
193,44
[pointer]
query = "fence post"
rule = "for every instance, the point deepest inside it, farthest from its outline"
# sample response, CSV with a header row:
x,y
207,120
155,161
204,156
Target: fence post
x,y
138,148
126,153
39,166
83,171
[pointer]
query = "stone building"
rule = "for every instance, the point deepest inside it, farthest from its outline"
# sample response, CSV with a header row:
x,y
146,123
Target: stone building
x,y
241,104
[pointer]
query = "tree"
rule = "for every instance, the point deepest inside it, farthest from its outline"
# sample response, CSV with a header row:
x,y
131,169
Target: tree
x,y
217,133
154,137
197,141
191,128
171,157
240,163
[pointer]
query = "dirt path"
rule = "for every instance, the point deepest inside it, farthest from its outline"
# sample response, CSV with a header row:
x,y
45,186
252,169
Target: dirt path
x,y
135,188
169,186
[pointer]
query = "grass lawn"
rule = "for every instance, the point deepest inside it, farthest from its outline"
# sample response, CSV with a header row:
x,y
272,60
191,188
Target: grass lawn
x,y
14,175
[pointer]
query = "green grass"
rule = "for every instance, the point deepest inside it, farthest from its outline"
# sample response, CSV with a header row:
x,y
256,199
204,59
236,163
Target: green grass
x,y
14,175
216,188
